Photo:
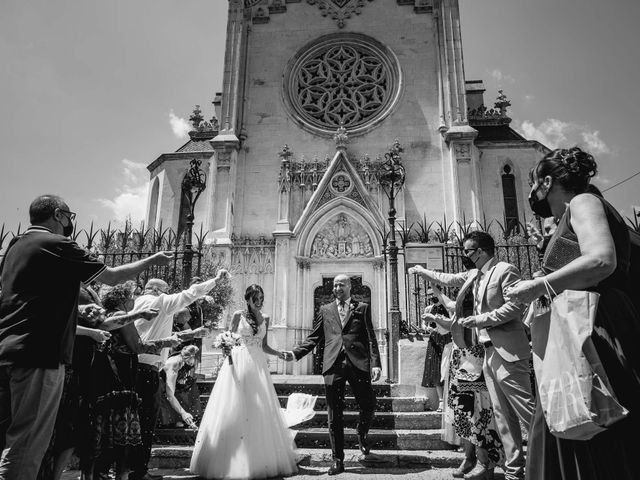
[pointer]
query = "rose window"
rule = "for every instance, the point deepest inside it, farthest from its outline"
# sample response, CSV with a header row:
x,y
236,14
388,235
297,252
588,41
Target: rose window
x,y
342,79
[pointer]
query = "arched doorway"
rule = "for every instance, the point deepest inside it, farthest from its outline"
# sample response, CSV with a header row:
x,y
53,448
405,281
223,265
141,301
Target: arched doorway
x,y
323,295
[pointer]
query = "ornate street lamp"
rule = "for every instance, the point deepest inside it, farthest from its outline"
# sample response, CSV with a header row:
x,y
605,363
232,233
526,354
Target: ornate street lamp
x,y
193,184
391,177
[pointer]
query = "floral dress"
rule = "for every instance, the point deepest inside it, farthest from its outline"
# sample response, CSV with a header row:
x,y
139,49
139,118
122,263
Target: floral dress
x,y
468,412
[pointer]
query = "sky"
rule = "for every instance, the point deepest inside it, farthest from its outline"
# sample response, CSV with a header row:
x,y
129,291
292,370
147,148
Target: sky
x,y
92,91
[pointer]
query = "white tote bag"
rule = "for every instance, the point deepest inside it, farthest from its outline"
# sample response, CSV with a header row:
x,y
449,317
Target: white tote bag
x,y
575,393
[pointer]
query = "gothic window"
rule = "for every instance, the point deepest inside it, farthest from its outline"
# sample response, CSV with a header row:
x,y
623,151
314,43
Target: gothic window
x,y
510,200
343,79
153,203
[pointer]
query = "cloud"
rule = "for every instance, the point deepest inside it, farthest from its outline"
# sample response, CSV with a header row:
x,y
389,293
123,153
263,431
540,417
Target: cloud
x,y
130,201
179,126
594,143
556,133
501,77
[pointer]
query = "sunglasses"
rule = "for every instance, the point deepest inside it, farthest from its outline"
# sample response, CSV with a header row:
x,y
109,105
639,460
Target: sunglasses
x,y
467,251
70,215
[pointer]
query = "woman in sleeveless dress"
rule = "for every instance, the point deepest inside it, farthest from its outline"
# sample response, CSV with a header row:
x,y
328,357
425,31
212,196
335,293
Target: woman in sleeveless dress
x,y
589,250
243,434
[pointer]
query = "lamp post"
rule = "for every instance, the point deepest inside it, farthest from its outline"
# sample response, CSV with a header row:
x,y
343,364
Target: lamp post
x,y
193,184
391,176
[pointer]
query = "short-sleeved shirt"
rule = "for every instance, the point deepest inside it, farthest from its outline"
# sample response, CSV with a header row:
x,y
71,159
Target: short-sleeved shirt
x,y
41,278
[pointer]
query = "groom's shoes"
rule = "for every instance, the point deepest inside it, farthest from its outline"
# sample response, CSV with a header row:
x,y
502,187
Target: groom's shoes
x,y
363,444
336,468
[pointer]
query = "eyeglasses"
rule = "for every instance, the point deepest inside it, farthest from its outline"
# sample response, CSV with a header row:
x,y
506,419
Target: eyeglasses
x,y
467,251
70,215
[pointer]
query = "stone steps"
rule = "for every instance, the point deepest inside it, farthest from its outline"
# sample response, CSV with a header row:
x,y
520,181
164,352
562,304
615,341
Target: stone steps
x,y
180,457
383,404
318,437
404,432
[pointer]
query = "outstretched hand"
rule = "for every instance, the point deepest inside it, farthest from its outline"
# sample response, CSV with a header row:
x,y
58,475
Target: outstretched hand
x,y
222,274
162,258
416,270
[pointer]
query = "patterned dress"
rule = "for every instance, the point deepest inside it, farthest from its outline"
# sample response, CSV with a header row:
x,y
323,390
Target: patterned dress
x,y
468,412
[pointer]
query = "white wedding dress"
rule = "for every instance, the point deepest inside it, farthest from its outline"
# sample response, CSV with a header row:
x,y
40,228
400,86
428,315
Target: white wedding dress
x,y
243,433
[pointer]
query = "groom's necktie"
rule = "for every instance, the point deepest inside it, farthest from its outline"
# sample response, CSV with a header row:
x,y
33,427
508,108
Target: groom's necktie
x,y
342,311
477,301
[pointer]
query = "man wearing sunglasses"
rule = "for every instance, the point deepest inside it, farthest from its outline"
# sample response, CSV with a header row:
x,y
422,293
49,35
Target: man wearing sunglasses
x,y
497,325
40,276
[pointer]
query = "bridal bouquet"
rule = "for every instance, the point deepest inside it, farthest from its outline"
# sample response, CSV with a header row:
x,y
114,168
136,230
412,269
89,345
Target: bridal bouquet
x,y
226,341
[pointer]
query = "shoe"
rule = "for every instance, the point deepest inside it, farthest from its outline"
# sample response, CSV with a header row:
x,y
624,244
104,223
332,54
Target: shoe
x,y
480,472
465,467
336,468
363,444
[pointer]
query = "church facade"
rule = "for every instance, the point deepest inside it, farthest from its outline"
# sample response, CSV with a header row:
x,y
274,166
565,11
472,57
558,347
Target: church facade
x,y
315,93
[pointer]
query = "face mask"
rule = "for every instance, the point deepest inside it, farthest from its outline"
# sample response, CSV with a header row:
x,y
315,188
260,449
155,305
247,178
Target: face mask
x,y
540,207
468,263
67,230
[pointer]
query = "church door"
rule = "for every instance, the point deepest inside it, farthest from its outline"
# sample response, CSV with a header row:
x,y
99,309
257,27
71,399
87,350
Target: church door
x,y
323,295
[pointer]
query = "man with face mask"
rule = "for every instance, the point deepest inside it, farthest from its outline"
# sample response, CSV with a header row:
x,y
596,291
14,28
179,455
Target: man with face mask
x,y
497,325
41,274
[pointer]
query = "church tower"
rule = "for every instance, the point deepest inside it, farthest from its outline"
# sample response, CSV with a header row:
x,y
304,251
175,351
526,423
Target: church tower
x,y
315,92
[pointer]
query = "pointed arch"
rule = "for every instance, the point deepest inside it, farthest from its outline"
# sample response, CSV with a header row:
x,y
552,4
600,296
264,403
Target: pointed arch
x,y
329,211
154,197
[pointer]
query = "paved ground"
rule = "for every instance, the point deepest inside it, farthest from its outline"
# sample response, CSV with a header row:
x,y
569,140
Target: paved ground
x,y
319,473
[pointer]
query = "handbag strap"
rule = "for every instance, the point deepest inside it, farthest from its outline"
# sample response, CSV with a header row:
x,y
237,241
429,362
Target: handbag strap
x,y
550,291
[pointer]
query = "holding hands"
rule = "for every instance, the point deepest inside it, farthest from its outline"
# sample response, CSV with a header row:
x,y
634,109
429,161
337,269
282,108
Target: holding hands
x,y
287,356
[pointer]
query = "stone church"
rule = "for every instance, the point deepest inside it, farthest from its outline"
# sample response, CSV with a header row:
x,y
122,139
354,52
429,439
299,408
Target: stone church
x,y
315,92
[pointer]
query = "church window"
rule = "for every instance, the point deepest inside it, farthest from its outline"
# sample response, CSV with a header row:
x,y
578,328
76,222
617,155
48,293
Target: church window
x,y
510,200
342,79
153,203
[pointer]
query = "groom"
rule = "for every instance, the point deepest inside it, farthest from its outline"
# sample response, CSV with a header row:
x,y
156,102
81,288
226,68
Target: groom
x,y
350,354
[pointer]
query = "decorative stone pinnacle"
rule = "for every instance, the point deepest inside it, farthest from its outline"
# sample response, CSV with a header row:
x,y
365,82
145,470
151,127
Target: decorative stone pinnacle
x,y
502,103
196,117
285,153
341,137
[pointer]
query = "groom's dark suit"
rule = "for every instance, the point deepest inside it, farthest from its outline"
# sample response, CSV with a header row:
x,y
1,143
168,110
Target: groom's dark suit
x,y
350,351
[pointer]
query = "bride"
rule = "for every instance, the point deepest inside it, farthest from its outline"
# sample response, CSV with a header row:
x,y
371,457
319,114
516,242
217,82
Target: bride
x,y
243,433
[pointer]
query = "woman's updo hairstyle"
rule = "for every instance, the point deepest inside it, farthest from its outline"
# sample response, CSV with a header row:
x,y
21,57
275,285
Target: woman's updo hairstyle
x,y
572,168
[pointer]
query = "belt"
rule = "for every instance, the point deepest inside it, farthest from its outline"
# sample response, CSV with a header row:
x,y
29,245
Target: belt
x,y
487,344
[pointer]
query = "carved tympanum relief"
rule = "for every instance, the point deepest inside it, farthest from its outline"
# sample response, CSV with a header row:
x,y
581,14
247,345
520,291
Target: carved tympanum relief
x,y
342,237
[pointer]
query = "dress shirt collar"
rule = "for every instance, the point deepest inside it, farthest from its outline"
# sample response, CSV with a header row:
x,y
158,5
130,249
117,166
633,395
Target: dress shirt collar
x,y
346,302
485,268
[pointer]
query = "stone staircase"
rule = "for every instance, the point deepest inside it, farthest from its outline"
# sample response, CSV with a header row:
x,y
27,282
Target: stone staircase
x,y
404,431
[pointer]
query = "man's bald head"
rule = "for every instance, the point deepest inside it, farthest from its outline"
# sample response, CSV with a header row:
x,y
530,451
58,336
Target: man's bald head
x,y
156,286
342,287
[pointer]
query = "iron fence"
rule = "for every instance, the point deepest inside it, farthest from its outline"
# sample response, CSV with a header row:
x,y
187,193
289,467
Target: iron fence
x,y
119,246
